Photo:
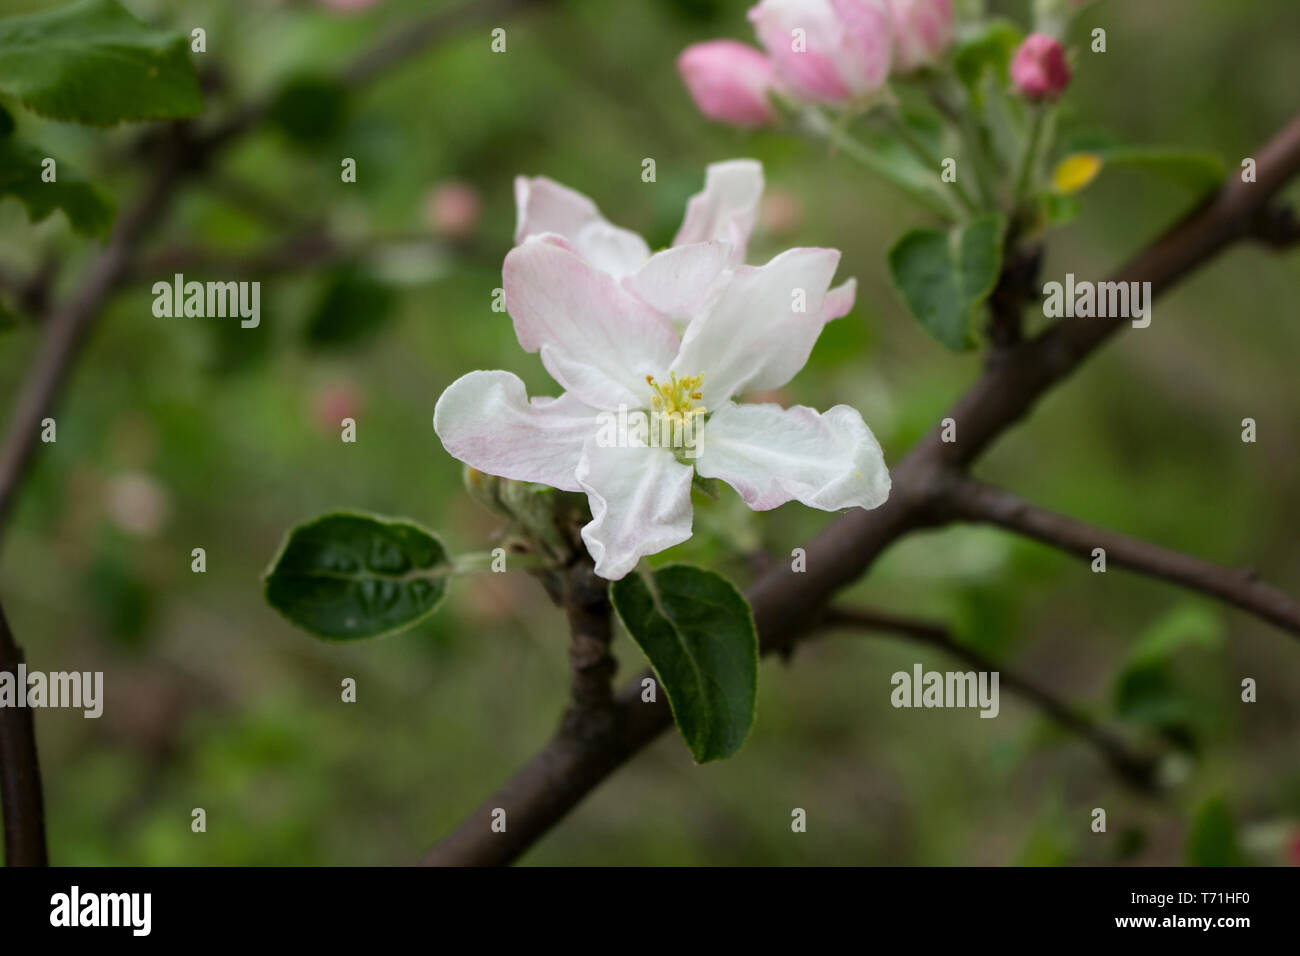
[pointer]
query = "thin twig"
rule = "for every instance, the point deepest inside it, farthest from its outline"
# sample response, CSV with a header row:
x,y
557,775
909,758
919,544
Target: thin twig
x,y
784,603
973,500
20,772
1134,769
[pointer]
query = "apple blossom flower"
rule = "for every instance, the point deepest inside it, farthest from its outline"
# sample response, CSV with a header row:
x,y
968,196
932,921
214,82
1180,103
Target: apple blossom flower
x,y
616,354
729,82
720,218
922,31
1039,69
829,51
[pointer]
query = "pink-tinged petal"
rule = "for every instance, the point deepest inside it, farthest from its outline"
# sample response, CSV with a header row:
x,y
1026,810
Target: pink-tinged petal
x,y
772,455
729,82
755,336
868,42
543,205
596,339
611,249
806,61
839,300
683,280
486,420
640,500
727,207
922,31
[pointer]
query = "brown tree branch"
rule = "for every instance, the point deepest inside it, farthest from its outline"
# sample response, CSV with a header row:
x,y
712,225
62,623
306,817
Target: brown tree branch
x,y
783,601
177,152
972,500
1136,770
20,772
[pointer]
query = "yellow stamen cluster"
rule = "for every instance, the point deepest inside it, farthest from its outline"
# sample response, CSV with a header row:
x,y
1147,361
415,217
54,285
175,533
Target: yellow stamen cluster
x,y
675,399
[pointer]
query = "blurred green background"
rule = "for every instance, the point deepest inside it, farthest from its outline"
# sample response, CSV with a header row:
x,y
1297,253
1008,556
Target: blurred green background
x,y
184,433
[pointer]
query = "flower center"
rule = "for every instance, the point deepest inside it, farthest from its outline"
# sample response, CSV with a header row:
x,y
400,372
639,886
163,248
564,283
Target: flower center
x,y
676,399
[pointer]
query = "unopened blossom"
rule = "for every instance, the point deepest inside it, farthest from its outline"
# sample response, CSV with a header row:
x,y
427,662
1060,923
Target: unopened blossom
x,y
729,82
828,51
1039,70
677,281
621,359
922,32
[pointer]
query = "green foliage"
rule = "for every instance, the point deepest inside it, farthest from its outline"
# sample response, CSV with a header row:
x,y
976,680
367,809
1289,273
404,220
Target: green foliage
x,y
1147,689
945,277
1213,837
698,633
352,308
310,109
94,63
987,50
89,210
347,576
1196,170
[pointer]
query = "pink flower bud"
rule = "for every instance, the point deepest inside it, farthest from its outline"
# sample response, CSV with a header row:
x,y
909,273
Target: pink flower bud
x,y
452,209
728,81
1039,69
826,50
922,31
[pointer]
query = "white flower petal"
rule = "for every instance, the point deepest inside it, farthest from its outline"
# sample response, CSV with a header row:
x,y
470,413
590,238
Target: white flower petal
x,y
486,420
754,336
543,205
839,300
596,339
772,455
611,249
681,281
640,504
727,207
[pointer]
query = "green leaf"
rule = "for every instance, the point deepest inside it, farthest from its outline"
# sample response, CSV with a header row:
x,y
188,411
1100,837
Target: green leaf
x,y
1213,838
1198,171
6,123
89,211
353,307
8,321
988,50
945,277
698,632
1147,689
94,63
346,576
1201,172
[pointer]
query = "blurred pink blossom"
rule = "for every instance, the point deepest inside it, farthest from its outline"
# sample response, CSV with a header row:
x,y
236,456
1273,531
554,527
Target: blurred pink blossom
x,y
827,50
728,81
922,31
452,209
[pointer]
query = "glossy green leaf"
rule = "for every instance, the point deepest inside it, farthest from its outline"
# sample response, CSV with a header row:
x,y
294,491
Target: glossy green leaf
x,y
698,632
89,210
346,576
94,63
945,277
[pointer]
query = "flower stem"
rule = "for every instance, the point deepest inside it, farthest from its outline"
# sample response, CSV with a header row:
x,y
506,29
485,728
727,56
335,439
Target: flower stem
x,y
1030,157
926,156
937,199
